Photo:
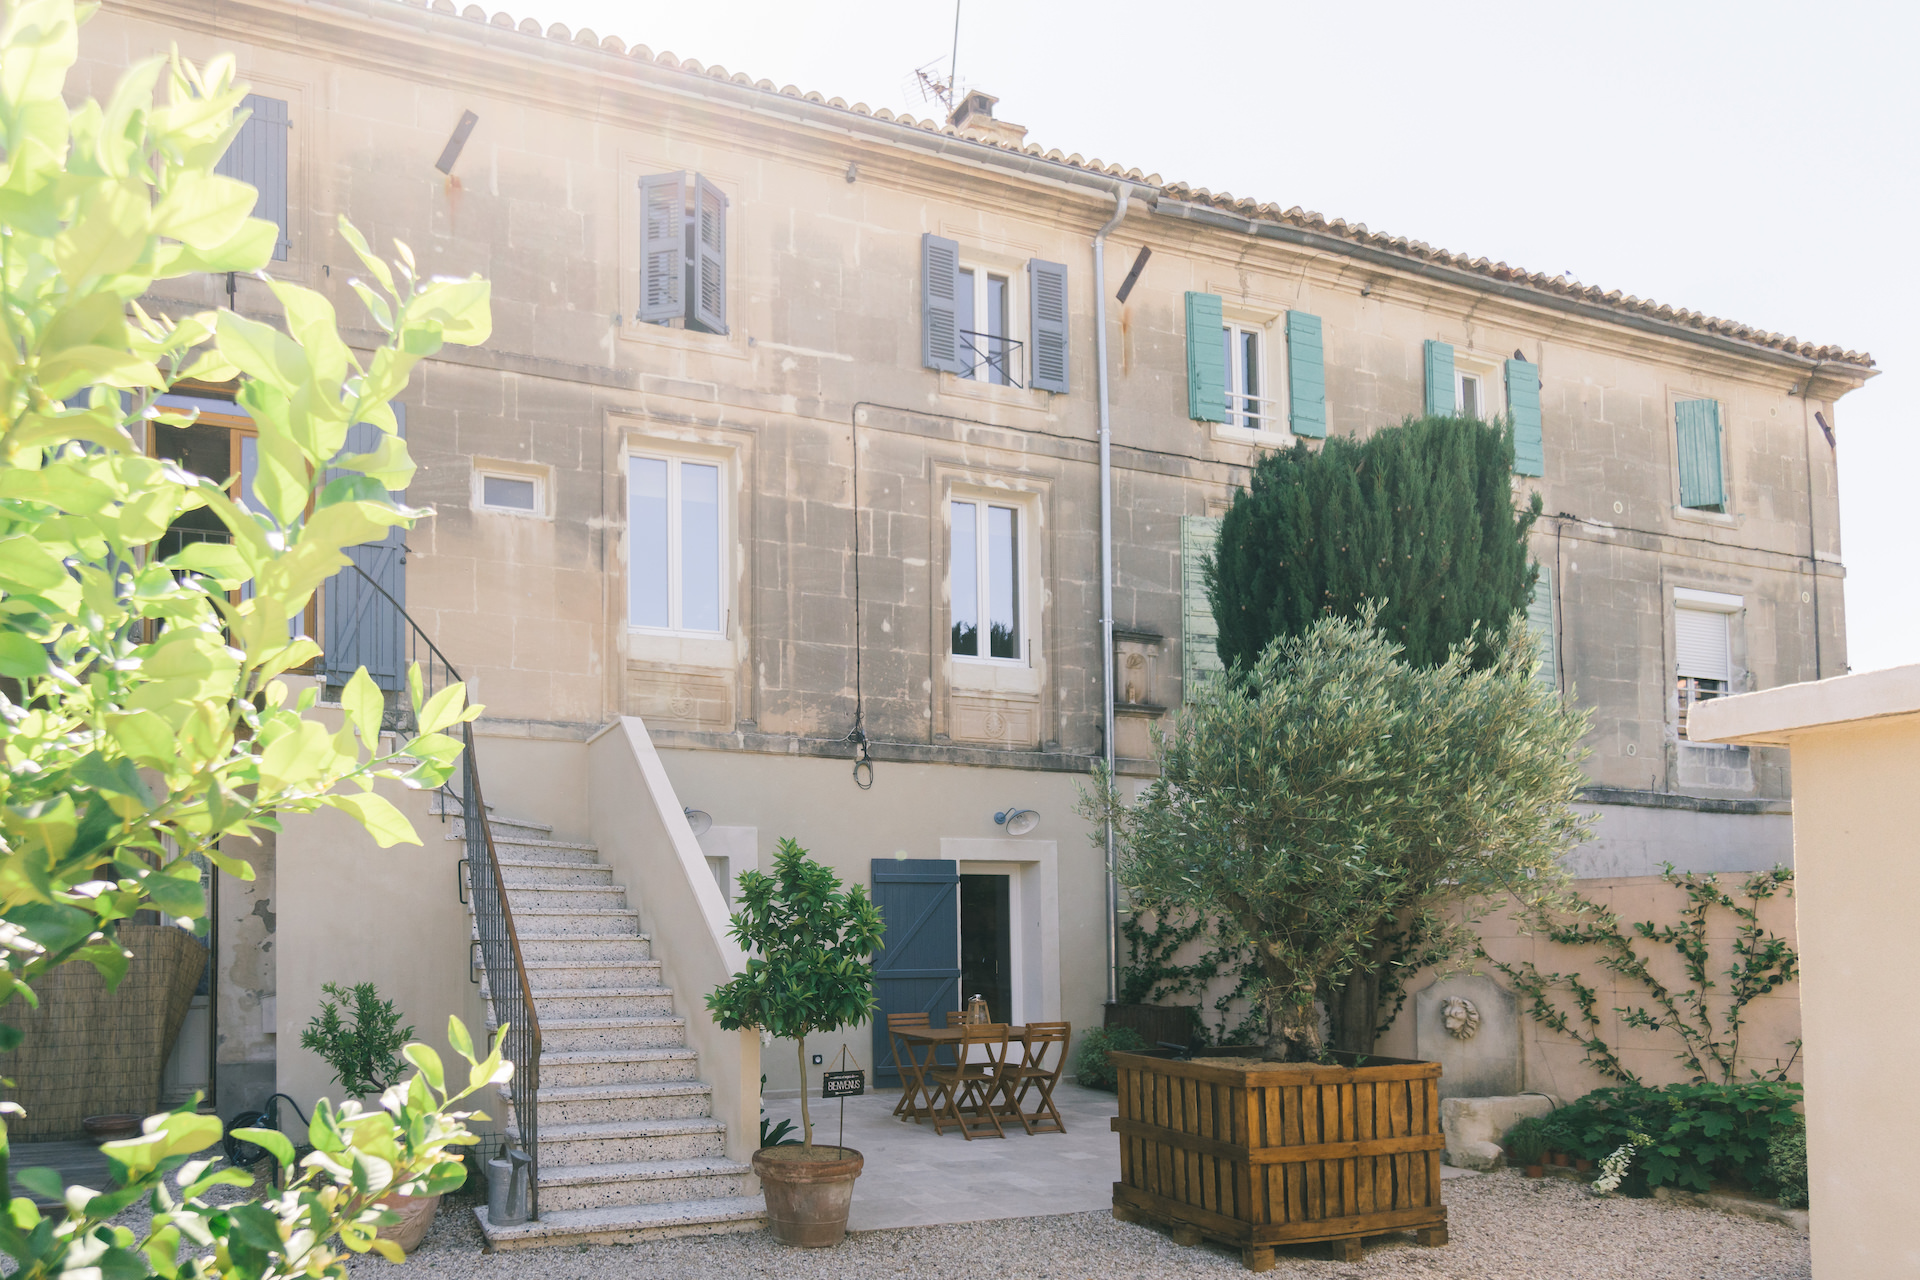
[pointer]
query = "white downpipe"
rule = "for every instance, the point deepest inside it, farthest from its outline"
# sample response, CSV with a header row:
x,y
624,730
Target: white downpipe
x,y
1120,195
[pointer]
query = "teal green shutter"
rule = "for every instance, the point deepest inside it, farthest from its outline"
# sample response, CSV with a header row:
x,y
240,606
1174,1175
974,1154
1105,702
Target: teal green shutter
x,y
1306,376
1440,401
1206,359
1540,622
1199,634
1523,402
1697,423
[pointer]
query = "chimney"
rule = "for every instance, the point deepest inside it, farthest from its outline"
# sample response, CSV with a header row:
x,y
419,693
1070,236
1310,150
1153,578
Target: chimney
x,y
974,119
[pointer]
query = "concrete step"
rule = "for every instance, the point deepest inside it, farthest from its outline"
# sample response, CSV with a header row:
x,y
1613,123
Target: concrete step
x,y
633,949
569,1004
642,1182
586,1035
584,875
629,1224
616,1066
561,976
567,897
569,922
537,849
595,1103
632,1141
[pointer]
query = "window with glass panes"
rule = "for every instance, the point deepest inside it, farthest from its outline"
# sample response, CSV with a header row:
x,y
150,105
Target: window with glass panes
x,y
985,581
675,553
1469,396
985,314
1246,378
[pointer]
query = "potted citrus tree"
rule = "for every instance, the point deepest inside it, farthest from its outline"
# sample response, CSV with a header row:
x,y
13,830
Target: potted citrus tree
x,y
810,950
1301,802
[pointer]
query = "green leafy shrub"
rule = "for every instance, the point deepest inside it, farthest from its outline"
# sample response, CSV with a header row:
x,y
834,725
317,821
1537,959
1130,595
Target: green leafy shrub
x,y
364,1047
1526,1142
1787,1166
1701,1133
1557,1134
1091,1063
811,945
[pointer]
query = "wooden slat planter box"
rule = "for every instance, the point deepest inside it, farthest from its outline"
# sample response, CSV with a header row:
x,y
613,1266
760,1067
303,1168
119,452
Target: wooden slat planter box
x,y
1280,1153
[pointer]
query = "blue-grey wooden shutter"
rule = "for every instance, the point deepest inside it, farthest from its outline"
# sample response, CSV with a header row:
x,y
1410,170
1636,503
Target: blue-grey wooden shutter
x,y
940,304
1206,359
361,627
1440,402
663,216
258,157
1540,622
708,304
1047,285
1306,376
917,969
1523,402
1199,633
1697,423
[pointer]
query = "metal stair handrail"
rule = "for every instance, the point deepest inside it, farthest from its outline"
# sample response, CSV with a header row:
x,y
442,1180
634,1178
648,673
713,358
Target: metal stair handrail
x,y
508,989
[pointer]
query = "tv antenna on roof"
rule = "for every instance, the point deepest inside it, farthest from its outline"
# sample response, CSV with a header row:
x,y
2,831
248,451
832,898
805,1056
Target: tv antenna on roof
x,y
928,81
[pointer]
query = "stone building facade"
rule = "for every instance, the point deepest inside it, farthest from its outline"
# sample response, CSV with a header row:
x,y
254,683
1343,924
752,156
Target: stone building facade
x,y
721,467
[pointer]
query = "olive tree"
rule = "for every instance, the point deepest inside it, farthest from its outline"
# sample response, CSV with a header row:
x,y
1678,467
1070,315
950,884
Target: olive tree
x,y
1333,794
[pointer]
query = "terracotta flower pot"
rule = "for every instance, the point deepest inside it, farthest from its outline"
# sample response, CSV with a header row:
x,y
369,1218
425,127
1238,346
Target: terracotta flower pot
x,y
808,1192
1536,1171
416,1217
1562,1159
1583,1166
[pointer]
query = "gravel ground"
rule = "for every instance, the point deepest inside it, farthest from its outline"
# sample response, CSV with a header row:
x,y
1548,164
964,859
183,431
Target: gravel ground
x,y
1503,1227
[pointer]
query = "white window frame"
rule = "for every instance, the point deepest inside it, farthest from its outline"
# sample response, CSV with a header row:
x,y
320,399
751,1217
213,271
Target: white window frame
x,y
483,469
1275,429
675,585
1017,363
1022,571
1699,601
1490,374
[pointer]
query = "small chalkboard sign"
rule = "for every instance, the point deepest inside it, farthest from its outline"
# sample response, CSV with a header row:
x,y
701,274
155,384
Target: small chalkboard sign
x,y
843,1084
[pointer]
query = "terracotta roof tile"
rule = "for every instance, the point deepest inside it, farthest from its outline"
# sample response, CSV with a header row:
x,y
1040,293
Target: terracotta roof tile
x,y
1356,233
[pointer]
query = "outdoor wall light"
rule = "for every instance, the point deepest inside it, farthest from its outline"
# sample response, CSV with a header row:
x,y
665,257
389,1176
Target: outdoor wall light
x,y
699,820
1017,821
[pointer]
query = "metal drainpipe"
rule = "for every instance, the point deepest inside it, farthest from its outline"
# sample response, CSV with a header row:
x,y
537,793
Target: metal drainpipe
x,y
1120,195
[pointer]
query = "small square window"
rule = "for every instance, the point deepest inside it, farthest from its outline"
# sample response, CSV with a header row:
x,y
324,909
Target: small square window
x,y
510,493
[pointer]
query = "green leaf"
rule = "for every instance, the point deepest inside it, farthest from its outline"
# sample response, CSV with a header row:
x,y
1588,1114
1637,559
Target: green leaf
x,y
386,824
423,1057
364,705
443,708
204,210
277,1144
21,657
45,1182
457,1037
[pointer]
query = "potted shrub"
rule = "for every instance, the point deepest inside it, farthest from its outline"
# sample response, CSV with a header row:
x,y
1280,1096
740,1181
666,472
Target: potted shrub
x,y
1295,802
810,968
1527,1147
363,1047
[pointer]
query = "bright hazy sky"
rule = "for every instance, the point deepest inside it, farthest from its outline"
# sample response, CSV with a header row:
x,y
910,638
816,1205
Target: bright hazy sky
x,y
1756,161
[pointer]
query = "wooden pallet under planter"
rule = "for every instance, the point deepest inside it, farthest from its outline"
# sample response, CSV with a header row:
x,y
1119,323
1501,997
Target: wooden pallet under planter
x,y
1273,1153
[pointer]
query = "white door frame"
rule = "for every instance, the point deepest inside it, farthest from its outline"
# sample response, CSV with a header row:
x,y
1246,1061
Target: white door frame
x,y
1032,868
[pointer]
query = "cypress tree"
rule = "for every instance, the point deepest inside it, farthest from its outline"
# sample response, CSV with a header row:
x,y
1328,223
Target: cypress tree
x,y
1418,517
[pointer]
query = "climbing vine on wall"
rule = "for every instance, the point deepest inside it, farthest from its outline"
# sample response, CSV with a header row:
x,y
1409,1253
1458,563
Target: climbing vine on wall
x,y
1151,974
1707,1017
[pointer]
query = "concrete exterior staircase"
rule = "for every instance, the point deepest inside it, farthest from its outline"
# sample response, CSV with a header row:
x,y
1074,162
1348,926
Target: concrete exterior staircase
x,y
629,1149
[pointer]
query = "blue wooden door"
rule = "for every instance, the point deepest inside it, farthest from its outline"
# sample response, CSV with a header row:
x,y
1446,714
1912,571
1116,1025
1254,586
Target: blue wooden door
x,y
363,628
918,967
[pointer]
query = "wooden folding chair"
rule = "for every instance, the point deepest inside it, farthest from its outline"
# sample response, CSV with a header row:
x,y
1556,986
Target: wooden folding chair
x,y
971,1084
1040,1069
912,1070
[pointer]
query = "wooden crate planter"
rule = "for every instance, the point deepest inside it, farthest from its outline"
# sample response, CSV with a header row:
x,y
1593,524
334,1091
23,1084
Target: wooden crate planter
x,y
1280,1153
